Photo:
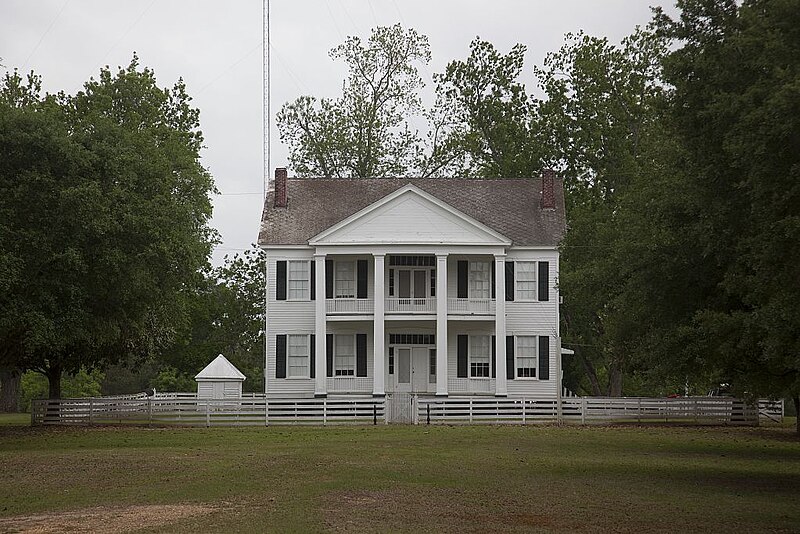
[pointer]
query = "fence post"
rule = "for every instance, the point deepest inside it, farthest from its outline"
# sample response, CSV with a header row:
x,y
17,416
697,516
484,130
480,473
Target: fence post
x,y
470,409
374,414
208,413
639,410
324,411
91,410
428,413
524,404
583,410
149,411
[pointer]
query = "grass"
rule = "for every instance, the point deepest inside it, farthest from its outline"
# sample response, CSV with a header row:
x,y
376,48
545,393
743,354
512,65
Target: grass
x,y
400,478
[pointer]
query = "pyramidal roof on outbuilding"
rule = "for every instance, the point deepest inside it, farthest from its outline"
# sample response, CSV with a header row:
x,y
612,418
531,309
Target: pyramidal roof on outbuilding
x,y
220,369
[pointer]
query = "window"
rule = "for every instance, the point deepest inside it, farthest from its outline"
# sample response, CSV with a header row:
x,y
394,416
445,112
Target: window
x,y
391,360
479,280
299,280
432,366
345,280
479,356
344,360
526,356
413,261
525,277
412,339
433,282
298,355
391,282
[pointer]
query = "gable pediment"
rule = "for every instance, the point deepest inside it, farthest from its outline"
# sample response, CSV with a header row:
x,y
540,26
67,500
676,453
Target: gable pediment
x,y
409,216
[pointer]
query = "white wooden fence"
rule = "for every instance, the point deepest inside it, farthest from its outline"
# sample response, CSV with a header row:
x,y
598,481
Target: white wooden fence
x,y
256,409
178,410
586,410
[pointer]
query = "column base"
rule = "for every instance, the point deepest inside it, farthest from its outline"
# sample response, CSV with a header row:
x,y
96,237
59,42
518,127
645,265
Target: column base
x,y
320,395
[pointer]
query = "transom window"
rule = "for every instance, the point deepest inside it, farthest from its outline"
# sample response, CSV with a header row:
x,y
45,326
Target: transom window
x,y
479,280
299,280
526,356
414,261
412,339
344,355
298,355
345,280
525,277
479,356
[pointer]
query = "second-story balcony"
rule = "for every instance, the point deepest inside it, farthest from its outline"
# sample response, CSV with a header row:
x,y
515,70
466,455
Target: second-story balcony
x,y
471,306
411,305
349,306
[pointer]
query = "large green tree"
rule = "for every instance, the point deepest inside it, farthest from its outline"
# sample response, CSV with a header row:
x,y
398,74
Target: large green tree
x,y
736,111
105,206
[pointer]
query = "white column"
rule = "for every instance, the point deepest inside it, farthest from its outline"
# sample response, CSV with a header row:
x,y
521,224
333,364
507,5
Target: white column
x,y
378,330
441,324
501,387
320,328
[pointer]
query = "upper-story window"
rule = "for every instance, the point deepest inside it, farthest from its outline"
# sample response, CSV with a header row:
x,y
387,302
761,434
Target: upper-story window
x,y
345,280
299,280
526,280
480,280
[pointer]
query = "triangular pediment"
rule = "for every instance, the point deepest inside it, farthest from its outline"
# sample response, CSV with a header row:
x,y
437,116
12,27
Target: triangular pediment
x,y
409,216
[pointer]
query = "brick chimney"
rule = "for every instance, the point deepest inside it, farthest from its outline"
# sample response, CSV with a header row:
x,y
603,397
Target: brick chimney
x,y
548,195
280,187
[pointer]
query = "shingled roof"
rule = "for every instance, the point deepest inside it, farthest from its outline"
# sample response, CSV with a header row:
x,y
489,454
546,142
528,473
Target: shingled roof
x,y
511,207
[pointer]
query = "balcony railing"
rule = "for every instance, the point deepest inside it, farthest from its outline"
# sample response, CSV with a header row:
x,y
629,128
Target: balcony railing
x,y
470,306
411,305
346,306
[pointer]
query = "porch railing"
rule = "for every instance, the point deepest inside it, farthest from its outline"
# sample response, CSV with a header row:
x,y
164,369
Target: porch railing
x,y
471,306
356,306
411,305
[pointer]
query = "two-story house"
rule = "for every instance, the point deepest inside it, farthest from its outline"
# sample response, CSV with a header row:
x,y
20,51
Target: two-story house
x,y
443,287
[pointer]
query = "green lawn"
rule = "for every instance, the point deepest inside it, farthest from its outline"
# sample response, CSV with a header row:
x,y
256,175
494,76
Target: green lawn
x,y
400,478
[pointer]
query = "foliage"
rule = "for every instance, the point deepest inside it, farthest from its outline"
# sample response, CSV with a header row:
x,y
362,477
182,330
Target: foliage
x,y
364,133
736,110
81,384
105,206
170,379
226,317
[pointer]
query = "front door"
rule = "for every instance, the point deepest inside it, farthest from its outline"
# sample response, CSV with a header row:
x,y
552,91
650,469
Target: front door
x,y
420,370
412,369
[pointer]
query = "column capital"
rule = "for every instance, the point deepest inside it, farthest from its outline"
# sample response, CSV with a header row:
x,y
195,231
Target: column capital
x,y
442,254
379,254
319,255
500,256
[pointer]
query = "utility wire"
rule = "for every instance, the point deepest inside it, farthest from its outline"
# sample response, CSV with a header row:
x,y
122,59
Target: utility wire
x,y
52,23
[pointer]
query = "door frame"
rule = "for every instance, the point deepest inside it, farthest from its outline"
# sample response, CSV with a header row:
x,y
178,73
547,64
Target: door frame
x,y
393,383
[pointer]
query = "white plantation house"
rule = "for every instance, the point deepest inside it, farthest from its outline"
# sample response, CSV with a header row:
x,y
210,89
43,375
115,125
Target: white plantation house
x,y
440,287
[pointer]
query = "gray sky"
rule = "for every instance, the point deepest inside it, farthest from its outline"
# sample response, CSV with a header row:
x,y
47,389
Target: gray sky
x,y
216,47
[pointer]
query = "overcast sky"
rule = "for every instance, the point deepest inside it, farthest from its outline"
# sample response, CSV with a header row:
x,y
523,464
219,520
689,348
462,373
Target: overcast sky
x,y
216,47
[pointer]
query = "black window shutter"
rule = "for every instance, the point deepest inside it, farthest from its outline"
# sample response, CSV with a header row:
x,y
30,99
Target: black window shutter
x,y
312,361
313,281
361,280
280,277
494,355
462,356
509,281
361,354
544,280
463,281
493,278
510,358
329,354
280,356
544,358
328,279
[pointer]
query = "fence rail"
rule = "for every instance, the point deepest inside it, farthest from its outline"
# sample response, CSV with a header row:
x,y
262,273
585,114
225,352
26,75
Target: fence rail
x,y
207,412
187,409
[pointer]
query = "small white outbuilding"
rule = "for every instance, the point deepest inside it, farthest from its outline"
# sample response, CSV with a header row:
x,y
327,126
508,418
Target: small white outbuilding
x,y
219,380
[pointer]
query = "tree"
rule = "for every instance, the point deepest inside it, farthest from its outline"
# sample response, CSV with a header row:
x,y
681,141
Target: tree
x,y
106,207
226,317
365,132
498,127
735,106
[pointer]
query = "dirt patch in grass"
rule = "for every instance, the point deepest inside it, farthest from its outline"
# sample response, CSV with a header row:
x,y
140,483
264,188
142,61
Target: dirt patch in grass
x,y
106,520
432,510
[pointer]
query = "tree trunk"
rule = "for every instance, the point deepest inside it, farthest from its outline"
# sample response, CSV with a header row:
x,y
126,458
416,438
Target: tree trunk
x,y
10,380
591,373
797,413
54,380
615,381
